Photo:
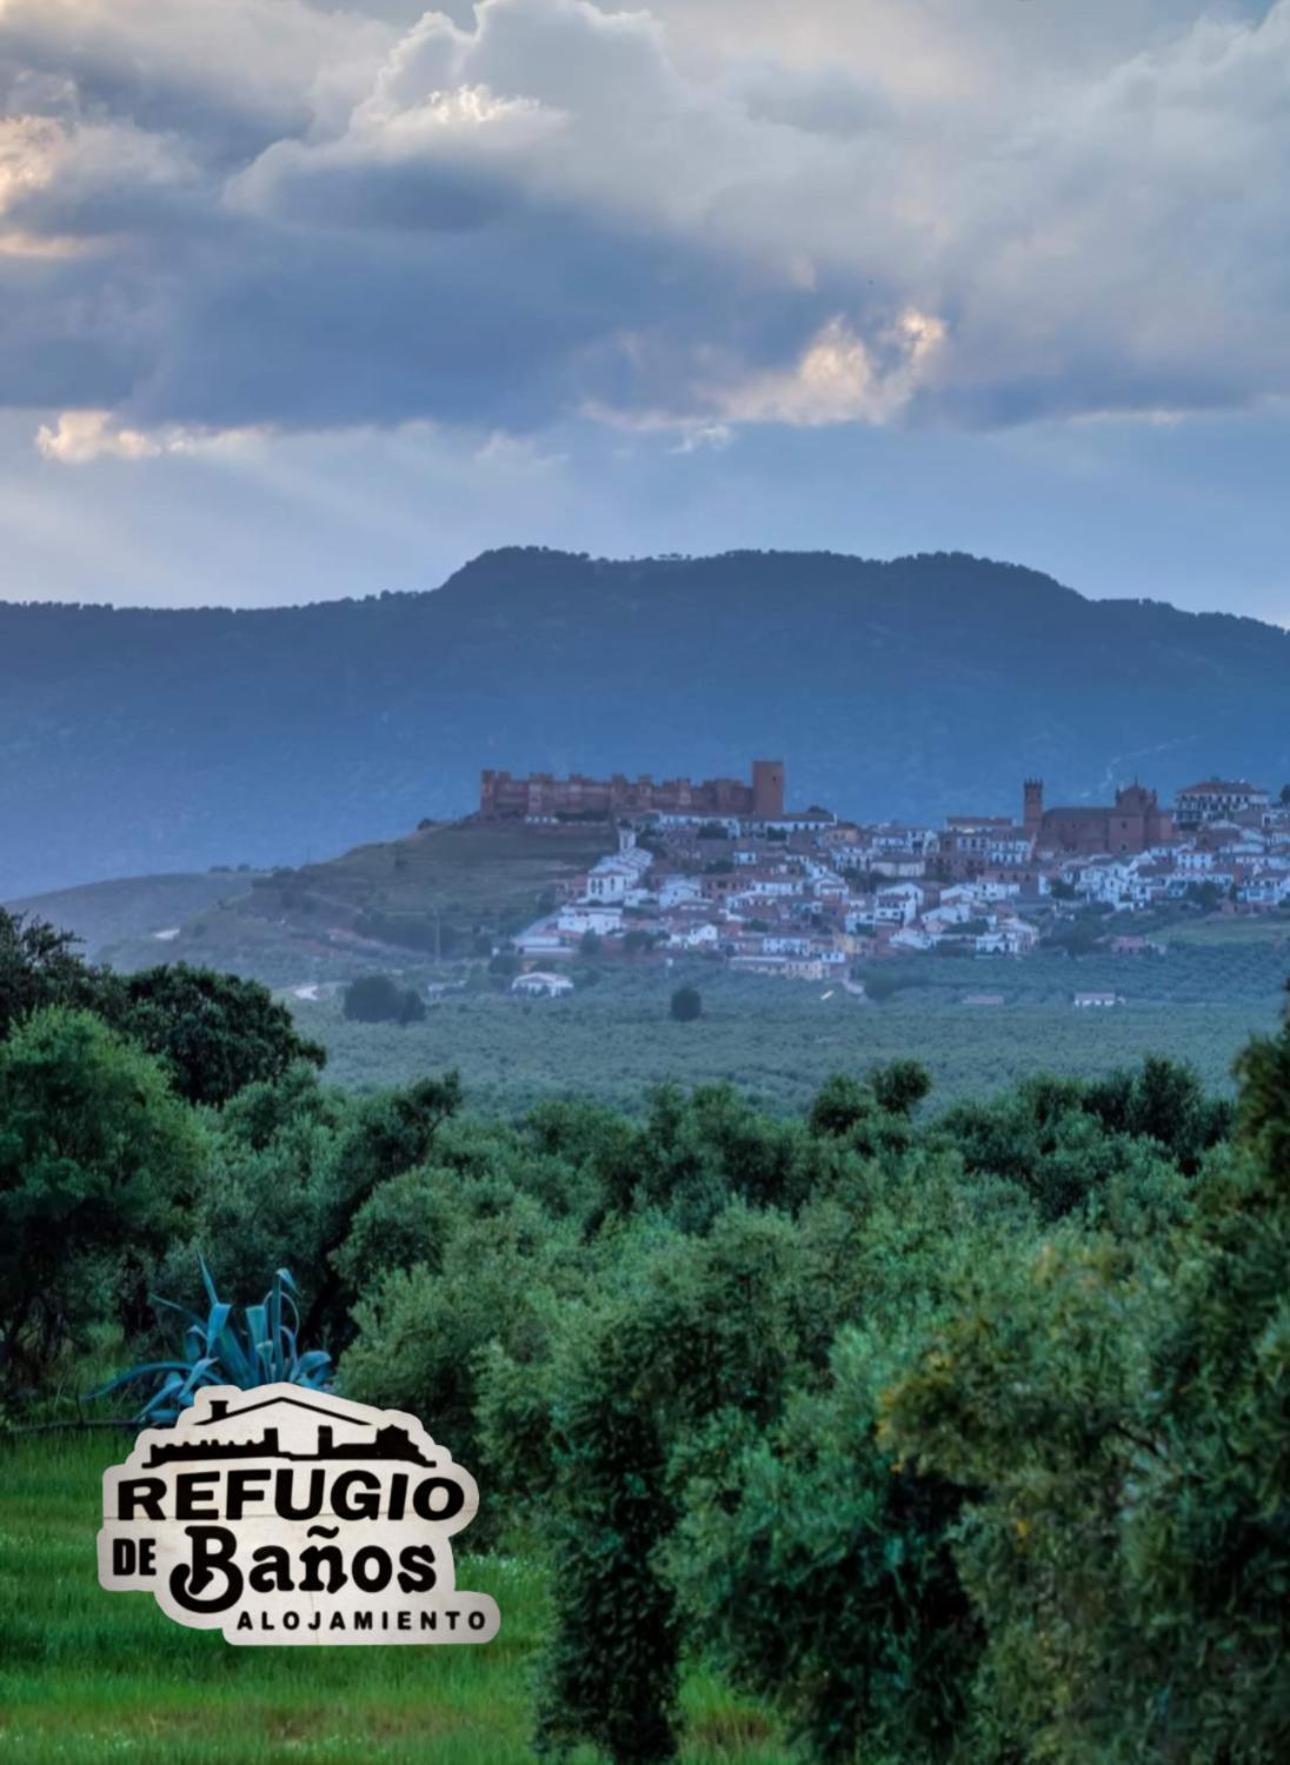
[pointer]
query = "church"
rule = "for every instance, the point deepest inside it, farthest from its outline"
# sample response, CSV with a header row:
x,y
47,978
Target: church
x,y
1134,823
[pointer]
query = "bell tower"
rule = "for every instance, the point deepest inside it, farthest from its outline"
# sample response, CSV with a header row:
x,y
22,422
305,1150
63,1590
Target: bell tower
x,y
1032,813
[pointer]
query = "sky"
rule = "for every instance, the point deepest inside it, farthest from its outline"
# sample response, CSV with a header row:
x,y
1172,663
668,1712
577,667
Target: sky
x,y
300,300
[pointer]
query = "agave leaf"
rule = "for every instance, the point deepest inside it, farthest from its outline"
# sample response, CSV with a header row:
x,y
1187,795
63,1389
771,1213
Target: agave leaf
x,y
160,1407
238,1363
144,1370
198,1376
207,1282
185,1311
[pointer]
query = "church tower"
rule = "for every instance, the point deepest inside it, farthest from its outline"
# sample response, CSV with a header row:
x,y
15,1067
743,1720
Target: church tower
x,y
1032,813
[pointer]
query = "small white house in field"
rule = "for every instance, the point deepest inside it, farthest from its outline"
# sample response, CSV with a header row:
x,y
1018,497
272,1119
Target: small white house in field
x,y
539,984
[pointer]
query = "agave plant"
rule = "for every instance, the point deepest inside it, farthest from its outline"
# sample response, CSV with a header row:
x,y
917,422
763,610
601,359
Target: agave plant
x,y
220,1349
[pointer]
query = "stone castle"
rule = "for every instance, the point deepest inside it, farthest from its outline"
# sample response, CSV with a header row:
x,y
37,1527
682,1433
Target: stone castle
x,y
541,794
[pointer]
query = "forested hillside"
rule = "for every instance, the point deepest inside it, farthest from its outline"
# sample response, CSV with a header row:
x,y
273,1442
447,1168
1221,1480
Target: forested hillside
x,y
136,741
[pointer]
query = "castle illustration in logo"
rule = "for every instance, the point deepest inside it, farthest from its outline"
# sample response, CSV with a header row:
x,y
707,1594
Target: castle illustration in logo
x,y
388,1441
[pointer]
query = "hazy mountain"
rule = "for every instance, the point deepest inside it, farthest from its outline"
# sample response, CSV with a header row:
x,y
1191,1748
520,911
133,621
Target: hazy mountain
x,y
146,741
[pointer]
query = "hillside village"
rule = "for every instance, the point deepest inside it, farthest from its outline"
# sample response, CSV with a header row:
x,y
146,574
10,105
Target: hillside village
x,y
722,868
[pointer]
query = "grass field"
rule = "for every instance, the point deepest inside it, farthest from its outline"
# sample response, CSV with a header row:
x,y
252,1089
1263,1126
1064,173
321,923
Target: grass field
x,y
87,1676
777,1040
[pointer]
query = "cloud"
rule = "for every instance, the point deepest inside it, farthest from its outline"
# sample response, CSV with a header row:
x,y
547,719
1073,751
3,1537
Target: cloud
x,y
76,438
840,378
80,436
228,214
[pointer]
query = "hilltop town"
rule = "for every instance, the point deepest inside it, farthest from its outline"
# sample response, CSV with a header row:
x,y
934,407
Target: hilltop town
x,y
722,867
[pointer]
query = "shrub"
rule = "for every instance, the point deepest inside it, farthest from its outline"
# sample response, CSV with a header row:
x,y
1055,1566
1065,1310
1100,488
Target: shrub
x,y
492,1268
375,998
820,1575
687,1004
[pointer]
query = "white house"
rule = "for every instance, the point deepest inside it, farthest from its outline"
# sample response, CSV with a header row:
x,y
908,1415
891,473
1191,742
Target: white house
x,y
899,904
540,984
695,937
1266,890
615,877
581,917
679,889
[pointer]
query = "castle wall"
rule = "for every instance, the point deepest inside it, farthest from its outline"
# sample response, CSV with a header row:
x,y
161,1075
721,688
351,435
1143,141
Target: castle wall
x,y
502,796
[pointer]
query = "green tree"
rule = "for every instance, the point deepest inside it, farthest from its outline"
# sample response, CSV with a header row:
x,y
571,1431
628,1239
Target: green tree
x,y
39,966
901,1085
820,1574
98,1159
450,1267
1205,895
687,1004
386,1135
376,998
690,1329
215,1033
1116,1413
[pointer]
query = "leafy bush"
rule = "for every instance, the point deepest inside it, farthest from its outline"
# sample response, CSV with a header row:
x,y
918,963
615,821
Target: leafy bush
x,y
687,1004
375,998
820,1574
493,1269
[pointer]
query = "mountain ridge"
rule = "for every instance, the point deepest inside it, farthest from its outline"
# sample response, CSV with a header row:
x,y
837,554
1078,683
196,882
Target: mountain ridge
x,y
170,739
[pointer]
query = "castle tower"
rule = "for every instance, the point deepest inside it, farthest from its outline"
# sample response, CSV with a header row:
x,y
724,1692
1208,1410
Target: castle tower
x,y
1032,813
768,789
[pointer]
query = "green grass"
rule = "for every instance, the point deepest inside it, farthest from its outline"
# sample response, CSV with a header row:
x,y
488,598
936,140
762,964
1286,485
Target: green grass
x,y
87,1676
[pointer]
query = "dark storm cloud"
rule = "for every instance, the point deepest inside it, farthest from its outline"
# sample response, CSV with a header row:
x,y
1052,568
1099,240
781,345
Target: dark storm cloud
x,y
225,213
